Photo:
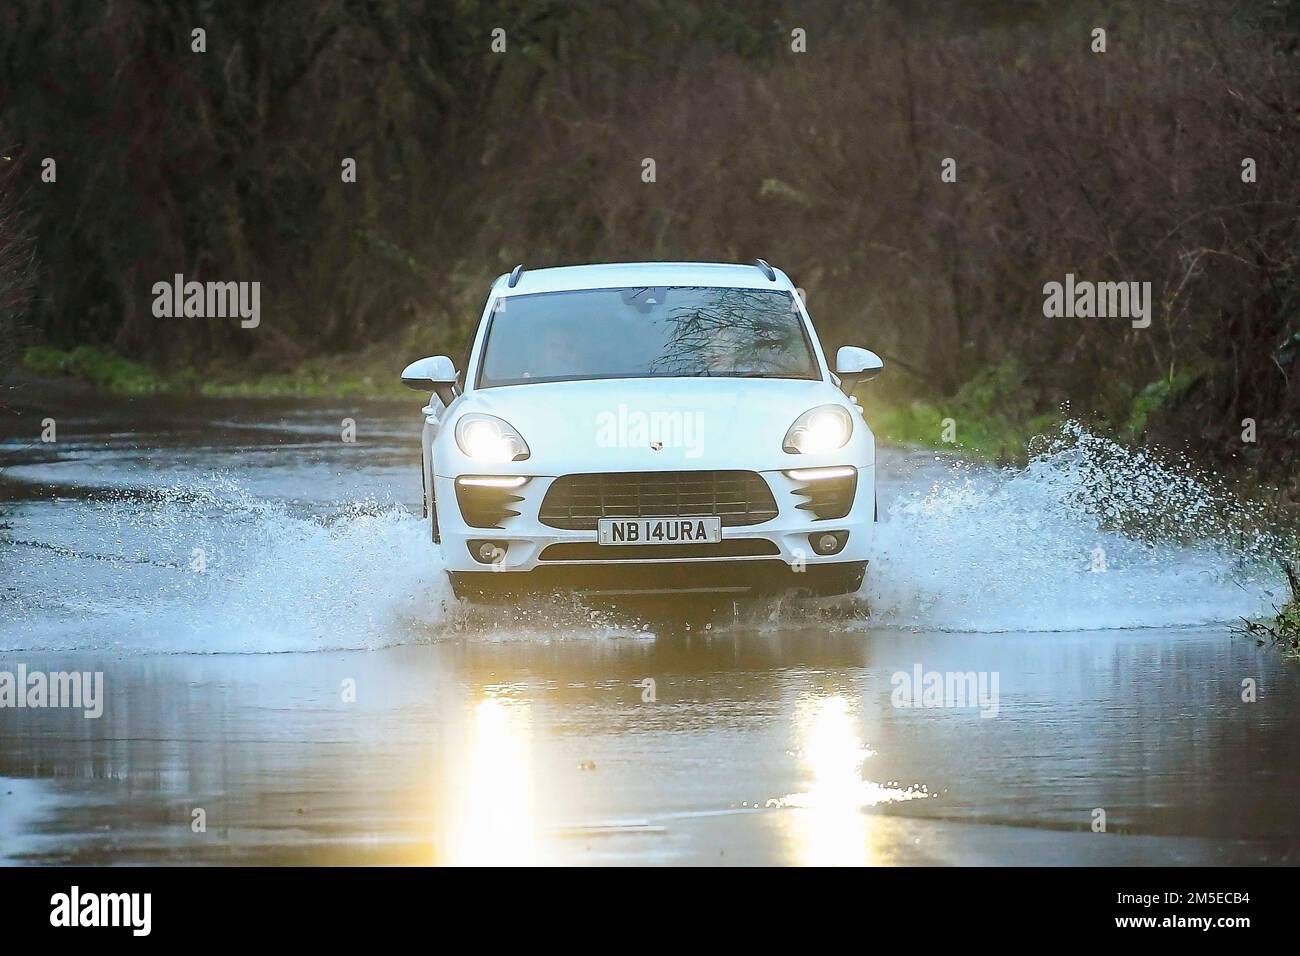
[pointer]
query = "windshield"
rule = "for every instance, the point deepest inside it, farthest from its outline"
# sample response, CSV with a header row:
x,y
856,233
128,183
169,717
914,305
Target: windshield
x,y
647,332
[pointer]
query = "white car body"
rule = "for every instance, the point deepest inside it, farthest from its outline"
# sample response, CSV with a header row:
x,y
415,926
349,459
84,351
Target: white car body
x,y
596,428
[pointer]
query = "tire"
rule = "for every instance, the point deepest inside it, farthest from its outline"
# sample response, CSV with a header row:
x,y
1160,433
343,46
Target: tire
x,y
429,502
431,506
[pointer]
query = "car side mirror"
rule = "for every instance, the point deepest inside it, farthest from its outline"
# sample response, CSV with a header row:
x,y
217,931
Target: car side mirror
x,y
855,366
436,374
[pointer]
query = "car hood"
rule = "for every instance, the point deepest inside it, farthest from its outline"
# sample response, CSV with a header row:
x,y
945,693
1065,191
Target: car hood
x,y
702,423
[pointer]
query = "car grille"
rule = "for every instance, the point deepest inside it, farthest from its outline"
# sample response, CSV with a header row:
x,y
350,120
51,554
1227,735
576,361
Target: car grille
x,y
578,502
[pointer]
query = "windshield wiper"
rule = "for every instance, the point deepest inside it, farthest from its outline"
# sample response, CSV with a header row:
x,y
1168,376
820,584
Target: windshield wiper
x,y
735,373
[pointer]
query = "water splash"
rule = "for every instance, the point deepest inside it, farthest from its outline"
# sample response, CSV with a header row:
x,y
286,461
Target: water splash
x,y
208,567
1090,535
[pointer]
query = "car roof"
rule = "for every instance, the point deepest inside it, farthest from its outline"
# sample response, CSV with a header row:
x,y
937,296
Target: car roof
x,y
615,275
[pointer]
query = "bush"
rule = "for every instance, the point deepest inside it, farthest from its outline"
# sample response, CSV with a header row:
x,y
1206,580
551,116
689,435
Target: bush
x,y
98,367
996,415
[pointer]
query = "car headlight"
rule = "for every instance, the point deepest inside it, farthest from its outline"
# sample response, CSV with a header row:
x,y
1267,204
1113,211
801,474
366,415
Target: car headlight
x,y
488,438
819,429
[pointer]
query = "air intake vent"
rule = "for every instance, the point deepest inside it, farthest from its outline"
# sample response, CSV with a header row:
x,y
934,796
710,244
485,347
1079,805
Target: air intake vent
x,y
486,507
828,498
583,551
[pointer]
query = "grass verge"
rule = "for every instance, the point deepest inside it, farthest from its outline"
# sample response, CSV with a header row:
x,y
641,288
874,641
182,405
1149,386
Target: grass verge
x,y
1283,629
993,416
369,376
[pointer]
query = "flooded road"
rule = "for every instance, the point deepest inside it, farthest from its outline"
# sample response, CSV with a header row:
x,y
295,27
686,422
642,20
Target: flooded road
x,y
287,678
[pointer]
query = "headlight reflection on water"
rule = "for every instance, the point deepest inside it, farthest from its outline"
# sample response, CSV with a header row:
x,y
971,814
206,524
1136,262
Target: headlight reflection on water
x,y
493,820
828,824
492,800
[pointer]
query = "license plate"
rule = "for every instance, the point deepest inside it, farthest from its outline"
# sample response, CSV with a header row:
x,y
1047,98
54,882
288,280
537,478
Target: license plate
x,y
659,530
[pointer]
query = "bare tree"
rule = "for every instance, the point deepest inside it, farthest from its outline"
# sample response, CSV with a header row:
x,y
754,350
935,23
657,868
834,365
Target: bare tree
x,y
17,269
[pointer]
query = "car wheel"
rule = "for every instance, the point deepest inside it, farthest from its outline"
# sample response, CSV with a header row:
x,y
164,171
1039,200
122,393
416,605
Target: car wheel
x,y
433,523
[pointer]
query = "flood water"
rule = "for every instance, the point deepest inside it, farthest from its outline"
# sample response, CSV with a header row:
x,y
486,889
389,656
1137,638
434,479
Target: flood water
x,y
287,679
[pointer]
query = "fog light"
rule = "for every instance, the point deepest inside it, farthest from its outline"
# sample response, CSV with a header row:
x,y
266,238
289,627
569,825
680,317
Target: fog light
x,y
828,542
487,552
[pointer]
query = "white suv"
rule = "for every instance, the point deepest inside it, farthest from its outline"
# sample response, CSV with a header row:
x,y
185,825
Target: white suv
x,y
648,427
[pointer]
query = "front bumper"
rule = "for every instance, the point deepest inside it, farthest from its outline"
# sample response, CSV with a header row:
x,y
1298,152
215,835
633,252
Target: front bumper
x,y
780,545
